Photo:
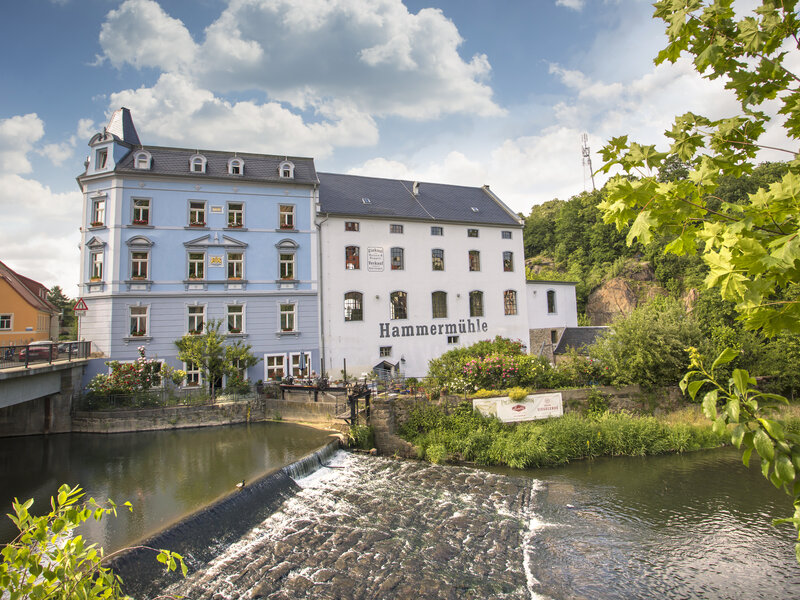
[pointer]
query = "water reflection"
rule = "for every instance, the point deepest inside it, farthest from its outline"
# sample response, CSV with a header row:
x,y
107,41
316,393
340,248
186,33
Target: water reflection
x,y
164,474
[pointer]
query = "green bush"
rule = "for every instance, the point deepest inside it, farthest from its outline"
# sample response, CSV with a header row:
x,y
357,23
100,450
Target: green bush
x,y
361,436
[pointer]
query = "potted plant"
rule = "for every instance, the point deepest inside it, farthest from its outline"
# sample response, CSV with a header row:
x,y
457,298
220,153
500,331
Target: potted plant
x,y
197,223
96,223
140,221
233,225
234,330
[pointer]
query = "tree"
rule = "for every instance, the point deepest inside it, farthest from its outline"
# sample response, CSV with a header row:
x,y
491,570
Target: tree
x,y
64,304
751,244
215,359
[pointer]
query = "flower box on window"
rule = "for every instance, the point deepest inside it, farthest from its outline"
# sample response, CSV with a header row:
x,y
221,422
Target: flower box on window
x,y
139,277
234,278
140,222
137,333
195,331
95,279
97,223
197,223
234,225
234,330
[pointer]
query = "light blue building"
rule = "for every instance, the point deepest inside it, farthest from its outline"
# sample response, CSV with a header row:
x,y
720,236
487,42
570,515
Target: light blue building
x,y
173,237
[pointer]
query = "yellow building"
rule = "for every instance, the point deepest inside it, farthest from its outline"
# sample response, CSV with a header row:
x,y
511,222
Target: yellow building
x,y
25,313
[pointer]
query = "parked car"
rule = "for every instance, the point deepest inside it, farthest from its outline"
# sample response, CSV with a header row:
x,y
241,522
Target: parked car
x,y
64,347
38,351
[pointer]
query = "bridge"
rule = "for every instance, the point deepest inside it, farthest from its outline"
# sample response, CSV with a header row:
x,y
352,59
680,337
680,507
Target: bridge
x,y
36,385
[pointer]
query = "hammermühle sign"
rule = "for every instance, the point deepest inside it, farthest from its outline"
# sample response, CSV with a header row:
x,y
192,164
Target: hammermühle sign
x,y
463,326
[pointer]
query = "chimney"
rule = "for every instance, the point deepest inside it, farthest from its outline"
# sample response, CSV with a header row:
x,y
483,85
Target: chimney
x,y
415,188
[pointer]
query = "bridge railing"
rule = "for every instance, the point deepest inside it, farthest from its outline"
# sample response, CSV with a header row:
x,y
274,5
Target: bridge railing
x,y
160,398
42,353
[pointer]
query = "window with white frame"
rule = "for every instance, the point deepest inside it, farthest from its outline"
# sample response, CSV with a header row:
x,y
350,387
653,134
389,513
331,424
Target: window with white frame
x,y
437,259
141,211
6,321
98,213
508,261
276,366
439,305
476,303
351,258
141,160
395,228
138,320
97,266
397,257
286,170
510,302
197,265
236,166
196,318
551,302
197,213
286,216
235,265
235,318
452,339
398,303
235,214
101,158
197,164
287,265
299,362
288,317
194,376
472,233
353,306
140,262
474,260
506,235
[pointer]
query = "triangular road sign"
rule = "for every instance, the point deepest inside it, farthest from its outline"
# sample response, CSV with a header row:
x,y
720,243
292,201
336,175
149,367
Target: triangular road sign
x,y
80,306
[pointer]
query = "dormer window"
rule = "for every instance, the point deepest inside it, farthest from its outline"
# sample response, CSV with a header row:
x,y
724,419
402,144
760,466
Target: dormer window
x,y
197,164
236,166
286,170
142,160
101,159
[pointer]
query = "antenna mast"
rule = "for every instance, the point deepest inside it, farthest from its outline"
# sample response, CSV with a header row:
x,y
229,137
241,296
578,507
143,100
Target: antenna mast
x,y
587,159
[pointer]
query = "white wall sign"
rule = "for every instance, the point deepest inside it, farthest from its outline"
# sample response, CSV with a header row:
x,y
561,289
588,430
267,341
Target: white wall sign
x,y
535,406
374,259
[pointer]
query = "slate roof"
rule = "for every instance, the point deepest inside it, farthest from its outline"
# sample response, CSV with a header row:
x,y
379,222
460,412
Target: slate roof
x,y
121,126
28,289
578,338
257,167
394,198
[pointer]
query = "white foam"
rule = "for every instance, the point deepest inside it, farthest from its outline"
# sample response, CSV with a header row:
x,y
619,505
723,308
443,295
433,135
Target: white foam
x,y
534,525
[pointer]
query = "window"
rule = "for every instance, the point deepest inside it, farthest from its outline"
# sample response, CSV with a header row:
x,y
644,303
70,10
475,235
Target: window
x,y
385,351
276,366
98,213
288,314
437,259
286,169
97,266
353,303
197,214
286,267
235,318
351,259
506,235
439,305
194,377
474,260
551,302
101,159
236,166
472,233
141,160
197,164
235,264
476,304
398,304
394,228
138,320
196,319
235,214
5,322
141,211
510,302
287,216
508,261
437,230
197,265
351,226
139,264
452,339
397,259
299,364
553,336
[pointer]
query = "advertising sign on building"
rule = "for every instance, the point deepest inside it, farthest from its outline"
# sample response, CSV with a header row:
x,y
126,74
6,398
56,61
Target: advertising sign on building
x,y
535,406
374,259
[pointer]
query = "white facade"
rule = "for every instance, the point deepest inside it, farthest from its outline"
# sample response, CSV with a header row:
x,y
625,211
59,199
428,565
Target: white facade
x,y
474,300
551,304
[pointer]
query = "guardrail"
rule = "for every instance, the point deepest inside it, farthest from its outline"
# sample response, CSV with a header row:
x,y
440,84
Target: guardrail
x,y
42,353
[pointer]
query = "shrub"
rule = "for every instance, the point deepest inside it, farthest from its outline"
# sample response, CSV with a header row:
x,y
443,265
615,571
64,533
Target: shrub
x,y
125,378
361,436
517,394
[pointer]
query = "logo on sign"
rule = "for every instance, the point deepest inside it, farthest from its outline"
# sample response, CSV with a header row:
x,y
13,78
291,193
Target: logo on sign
x,y
518,408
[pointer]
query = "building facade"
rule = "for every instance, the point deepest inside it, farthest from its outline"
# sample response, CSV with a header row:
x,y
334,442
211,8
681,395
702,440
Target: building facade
x,y
552,308
174,238
25,313
412,270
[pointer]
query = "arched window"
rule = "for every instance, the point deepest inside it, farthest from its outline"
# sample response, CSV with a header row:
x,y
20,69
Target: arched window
x,y
476,303
142,160
551,302
197,164
399,305
286,170
353,306
398,262
236,166
510,302
439,305
351,258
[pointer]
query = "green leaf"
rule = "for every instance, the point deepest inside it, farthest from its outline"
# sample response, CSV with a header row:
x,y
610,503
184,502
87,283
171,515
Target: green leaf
x,y
784,468
740,379
746,457
694,387
710,405
732,408
737,435
764,445
641,228
727,356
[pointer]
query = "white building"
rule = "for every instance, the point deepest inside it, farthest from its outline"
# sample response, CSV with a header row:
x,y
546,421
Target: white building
x,y
411,270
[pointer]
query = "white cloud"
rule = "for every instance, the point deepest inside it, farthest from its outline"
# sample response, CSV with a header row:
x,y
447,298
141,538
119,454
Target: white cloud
x,y
18,135
573,4
58,153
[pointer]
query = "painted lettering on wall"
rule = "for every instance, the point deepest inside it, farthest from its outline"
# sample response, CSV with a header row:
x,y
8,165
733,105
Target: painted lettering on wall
x,y
388,330
374,259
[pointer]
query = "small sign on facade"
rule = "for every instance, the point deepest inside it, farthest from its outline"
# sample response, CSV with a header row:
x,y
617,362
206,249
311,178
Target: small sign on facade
x,y
216,209
374,259
535,406
215,261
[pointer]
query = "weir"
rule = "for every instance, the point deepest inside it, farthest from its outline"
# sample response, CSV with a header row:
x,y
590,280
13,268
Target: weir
x,y
204,534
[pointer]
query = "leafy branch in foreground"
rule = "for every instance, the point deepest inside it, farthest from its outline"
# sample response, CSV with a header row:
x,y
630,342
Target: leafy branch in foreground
x,y
46,559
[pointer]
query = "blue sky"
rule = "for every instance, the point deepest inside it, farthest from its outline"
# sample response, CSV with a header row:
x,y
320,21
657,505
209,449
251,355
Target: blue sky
x,y
466,91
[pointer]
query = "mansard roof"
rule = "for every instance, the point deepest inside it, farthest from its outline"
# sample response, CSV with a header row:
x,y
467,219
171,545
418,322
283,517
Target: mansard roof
x,y
121,126
357,196
257,167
